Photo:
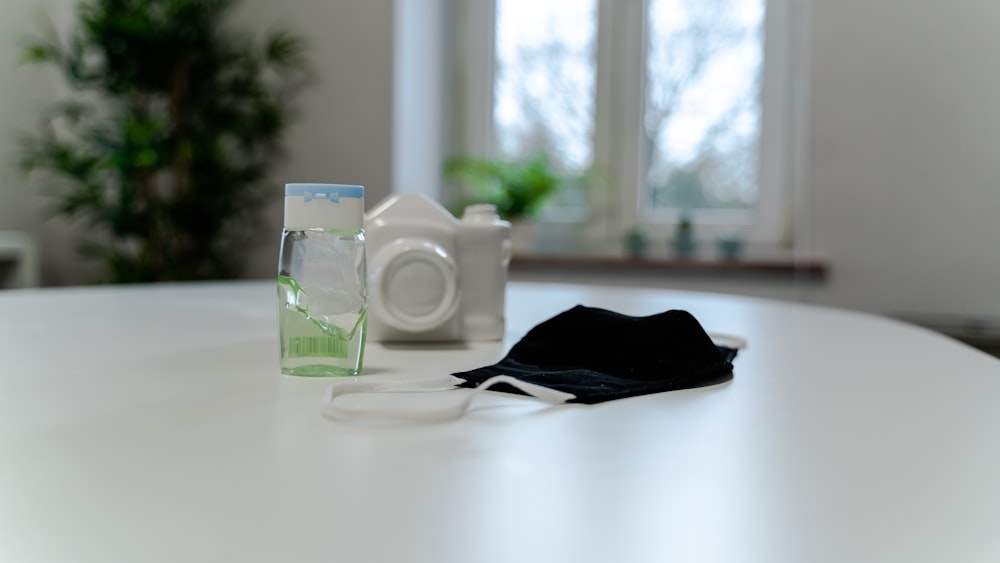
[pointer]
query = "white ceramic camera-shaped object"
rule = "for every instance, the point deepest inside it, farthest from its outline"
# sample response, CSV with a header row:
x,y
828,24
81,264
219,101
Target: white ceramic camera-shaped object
x,y
433,278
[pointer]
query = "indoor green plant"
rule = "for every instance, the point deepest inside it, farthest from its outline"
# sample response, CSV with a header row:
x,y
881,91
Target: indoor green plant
x,y
164,146
518,188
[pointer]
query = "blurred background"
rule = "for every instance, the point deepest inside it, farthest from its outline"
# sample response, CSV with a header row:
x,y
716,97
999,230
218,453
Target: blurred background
x,y
848,144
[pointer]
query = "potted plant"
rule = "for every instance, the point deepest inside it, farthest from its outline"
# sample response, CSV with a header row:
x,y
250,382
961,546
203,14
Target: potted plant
x,y
165,145
684,243
636,242
518,189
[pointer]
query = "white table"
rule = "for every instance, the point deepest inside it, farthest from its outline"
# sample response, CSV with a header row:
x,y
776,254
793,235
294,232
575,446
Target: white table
x,y
149,424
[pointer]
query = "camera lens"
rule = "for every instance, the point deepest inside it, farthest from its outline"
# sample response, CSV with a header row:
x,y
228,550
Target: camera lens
x,y
415,285
416,288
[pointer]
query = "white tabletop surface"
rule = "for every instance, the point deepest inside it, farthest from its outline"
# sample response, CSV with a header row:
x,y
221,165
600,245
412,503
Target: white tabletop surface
x,y
151,424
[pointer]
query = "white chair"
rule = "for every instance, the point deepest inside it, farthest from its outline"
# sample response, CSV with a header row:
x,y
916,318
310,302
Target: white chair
x,y
19,248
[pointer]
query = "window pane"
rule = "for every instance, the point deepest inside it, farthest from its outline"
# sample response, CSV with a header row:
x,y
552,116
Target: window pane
x,y
702,104
544,84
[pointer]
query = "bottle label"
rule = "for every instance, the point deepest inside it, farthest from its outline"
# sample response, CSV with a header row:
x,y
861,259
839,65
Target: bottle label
x,y
316,346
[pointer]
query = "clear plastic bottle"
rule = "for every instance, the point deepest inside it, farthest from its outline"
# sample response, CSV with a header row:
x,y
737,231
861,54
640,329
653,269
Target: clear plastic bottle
x,y
322,281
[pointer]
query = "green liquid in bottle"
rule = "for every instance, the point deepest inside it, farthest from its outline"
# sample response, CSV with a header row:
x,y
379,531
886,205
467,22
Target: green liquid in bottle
x,y
322,331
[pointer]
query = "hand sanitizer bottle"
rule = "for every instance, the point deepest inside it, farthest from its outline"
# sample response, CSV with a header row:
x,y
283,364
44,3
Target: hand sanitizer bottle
x,y
322,281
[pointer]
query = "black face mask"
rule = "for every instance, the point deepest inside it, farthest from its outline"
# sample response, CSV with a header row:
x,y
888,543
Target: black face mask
x,y
600,355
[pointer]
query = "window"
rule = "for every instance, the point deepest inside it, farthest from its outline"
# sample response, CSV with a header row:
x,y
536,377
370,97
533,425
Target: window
x,y
673,108
701,110
543,89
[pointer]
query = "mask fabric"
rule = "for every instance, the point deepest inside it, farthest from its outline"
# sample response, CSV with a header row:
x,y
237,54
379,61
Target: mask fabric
x,y
600,355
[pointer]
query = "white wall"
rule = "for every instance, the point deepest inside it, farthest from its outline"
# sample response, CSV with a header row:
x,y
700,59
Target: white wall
x,y
24,91
902,187
420,97
904,179
345,134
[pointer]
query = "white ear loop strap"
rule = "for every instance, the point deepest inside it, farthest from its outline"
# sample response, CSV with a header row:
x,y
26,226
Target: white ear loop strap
x,y
728,340
540,392
416,400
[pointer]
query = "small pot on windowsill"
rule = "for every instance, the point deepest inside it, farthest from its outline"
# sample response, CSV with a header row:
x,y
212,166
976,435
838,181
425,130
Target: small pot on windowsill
x,y
730,247
684,248
683,244
636,243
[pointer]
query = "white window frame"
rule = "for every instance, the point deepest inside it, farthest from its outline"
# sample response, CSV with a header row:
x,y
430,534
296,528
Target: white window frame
x,y
617,130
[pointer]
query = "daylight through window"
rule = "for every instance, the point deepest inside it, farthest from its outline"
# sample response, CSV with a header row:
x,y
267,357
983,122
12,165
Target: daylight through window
x,y
661,102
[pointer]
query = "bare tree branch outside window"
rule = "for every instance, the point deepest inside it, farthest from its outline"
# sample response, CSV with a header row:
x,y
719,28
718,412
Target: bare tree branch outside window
x,y
702,103
701,107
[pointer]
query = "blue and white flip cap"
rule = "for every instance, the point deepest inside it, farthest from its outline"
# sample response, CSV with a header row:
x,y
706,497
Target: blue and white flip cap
x,y
324,206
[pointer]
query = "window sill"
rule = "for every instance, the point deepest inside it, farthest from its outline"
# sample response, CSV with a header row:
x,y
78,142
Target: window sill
x,y
772,265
